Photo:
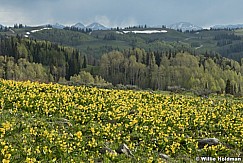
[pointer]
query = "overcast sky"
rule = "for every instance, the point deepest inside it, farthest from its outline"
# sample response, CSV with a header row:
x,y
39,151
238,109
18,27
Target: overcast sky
x,y
121,13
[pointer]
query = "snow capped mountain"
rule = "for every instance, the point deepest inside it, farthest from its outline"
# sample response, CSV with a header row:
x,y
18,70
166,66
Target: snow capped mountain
x,y
234,26
96,26
184,26
79,26
93,26
58,26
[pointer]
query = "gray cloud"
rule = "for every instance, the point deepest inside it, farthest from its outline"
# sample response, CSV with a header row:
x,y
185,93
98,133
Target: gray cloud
x,y
121,13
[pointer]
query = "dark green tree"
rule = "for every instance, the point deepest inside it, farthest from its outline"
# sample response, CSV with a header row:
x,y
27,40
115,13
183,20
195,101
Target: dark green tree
x,y
228,87
84,62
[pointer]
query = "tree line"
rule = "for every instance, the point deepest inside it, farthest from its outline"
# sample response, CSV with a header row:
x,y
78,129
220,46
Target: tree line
x,y
60,61
82,30
159,71
27,59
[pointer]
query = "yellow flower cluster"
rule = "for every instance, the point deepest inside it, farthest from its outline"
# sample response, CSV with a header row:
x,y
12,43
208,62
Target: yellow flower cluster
x,y
57,123
5,127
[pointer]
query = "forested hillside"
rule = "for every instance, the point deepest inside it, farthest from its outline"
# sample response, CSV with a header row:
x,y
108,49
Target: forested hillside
x,y
227,43
158,70
60,61
172,59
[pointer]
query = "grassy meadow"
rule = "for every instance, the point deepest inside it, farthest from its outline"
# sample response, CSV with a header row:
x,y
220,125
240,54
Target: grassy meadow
x,y
56,123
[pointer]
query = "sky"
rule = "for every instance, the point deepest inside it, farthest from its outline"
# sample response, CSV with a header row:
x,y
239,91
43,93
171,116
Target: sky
x,y
122,13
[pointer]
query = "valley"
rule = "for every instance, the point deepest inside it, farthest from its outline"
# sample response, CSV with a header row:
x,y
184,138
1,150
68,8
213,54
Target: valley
x,y
95,81
147,58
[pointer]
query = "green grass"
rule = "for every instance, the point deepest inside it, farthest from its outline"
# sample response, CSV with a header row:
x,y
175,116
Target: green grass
x,y
239,32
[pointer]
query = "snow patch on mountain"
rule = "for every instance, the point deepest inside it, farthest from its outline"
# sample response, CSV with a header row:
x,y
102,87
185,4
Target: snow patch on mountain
x,y
79,26
146,31
58,26
93,26
27,34
118,32
38,30
12,30
185,26
96,26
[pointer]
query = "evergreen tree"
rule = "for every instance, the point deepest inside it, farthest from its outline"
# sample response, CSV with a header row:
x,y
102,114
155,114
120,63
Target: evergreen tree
x,y
84,62
228,87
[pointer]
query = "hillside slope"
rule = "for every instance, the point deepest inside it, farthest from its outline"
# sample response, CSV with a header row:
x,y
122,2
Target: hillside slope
x,y
148,58
51,122
227,43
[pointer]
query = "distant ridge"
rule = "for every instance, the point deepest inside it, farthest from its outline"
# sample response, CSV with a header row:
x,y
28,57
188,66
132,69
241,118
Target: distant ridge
x,y
79,26
184,26
58,26
231,26
97,26
93,26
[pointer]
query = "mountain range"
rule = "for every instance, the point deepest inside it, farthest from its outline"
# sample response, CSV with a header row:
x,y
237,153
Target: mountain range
x,y
184,26
79,26
231,26
93,26
96,26
58,26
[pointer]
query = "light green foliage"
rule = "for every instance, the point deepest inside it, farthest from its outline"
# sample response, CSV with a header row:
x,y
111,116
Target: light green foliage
x,y
22,51
22,70
181,69
86,77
